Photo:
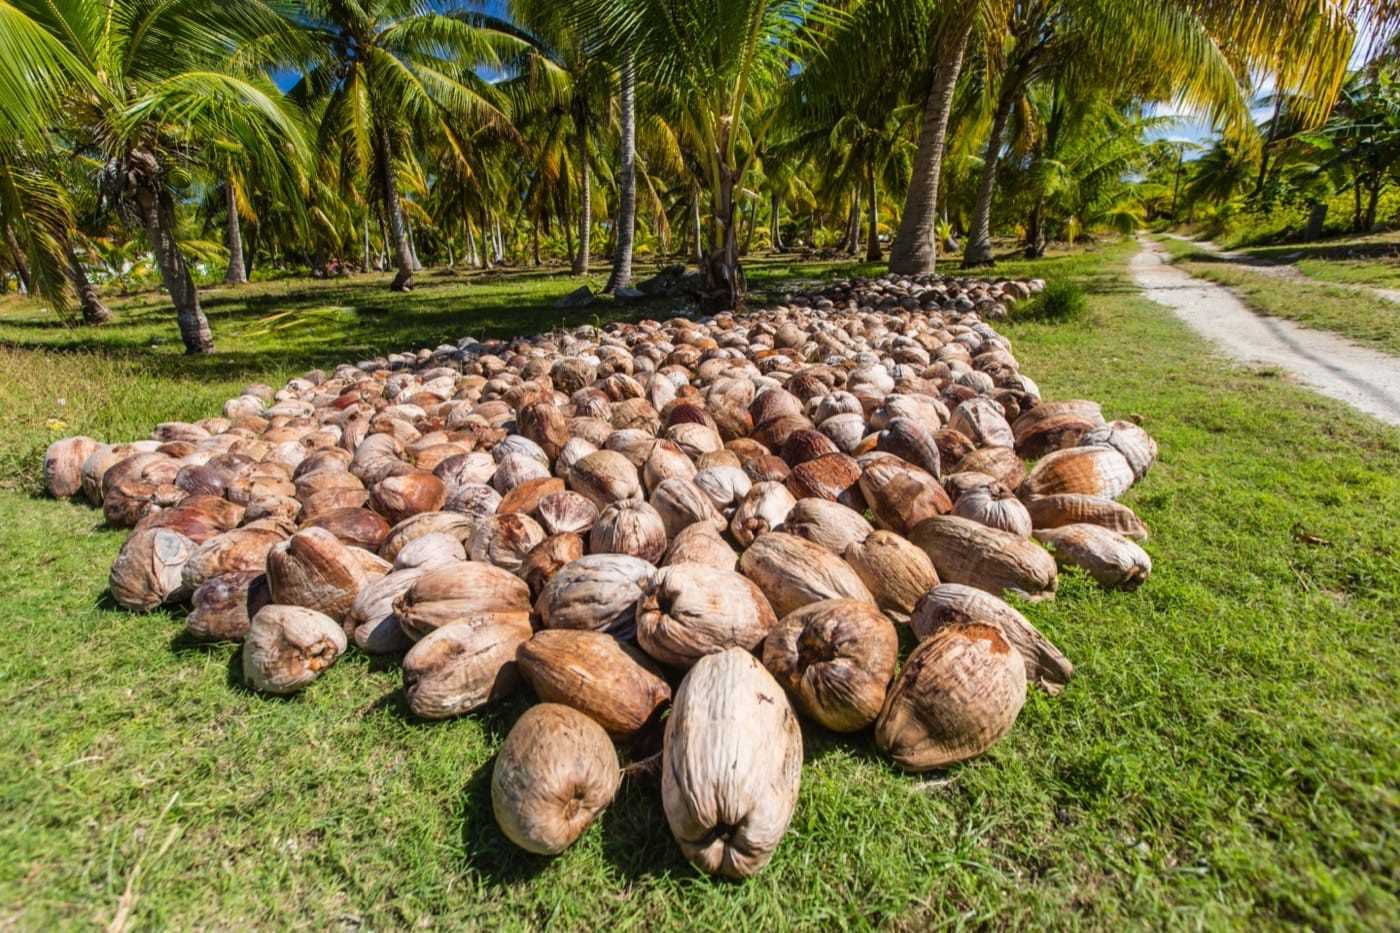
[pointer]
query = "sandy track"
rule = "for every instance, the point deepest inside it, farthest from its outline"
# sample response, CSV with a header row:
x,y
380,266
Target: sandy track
x,y
1363,378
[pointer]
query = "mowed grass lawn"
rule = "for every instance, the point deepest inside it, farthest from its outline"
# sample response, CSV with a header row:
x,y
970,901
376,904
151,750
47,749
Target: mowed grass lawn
x,y
1335,305
1226,755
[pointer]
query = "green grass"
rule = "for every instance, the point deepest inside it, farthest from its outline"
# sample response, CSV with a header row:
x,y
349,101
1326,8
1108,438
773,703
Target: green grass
x,y
1348,311
1226,755
1372,260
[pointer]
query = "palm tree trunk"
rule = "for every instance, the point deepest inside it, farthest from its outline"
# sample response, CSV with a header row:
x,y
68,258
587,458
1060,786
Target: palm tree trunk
x,y
94,311
1268,141
535,241
1035,229
366,225
237,273
585,214
978,251
563,208
21,263
1372,197
158,215
1317,217
698,255
753,222
872,244
402,250
855,222
724,280
775,218
914,249
627,180
496,241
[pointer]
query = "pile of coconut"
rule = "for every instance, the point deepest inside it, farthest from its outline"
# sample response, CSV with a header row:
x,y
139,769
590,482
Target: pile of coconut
x,y
681,537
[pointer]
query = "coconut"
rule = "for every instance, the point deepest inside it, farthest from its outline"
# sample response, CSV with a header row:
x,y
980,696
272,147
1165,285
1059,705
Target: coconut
x,y
835,658
958,694
554,774
731,765
288,647
610,682
461,667
691,610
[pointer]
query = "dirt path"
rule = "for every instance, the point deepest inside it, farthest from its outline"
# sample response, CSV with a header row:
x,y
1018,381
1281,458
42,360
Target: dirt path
x,y
1286,270
1363,378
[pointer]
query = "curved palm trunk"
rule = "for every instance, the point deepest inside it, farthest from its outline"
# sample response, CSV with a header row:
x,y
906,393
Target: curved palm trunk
x,y
94,311
398,233
157,212
627,181
979,240
237,273
872,244
914,249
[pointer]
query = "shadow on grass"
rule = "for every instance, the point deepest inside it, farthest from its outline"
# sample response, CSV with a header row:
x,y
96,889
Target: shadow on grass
x,y
488,851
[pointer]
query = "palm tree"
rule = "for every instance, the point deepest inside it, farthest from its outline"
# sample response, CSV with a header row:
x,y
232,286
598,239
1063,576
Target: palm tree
x,y
718,62
36,72
386,64
1305,44
148,88
566,71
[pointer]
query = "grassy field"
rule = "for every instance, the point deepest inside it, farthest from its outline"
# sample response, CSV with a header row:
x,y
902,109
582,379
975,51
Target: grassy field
x,y
1225,757
1365,318
1364,260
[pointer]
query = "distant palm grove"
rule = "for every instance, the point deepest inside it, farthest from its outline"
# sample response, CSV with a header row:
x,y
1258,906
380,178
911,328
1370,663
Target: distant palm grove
x,y
190,143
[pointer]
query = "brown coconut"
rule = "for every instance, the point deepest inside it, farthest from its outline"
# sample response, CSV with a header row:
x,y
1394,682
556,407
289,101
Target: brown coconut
x,y
793,572
990,559
555,772
896,572
224,606
461,593
63,465
596,674
731,765
835,658
1110,558
288,647
954,603
958,694
692,610
1075,508
598,592
149,568
313,569
701,544
461,667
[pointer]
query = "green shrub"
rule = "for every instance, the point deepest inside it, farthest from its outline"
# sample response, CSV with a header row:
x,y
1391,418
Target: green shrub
x,y
1062,300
